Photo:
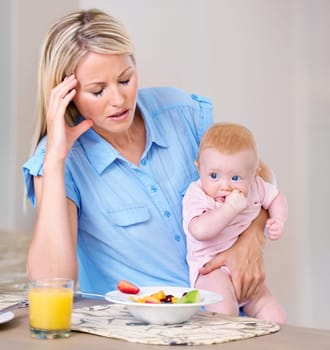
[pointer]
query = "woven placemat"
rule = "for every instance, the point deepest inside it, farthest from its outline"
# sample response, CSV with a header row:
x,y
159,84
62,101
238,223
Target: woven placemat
x,y
114,321
11,299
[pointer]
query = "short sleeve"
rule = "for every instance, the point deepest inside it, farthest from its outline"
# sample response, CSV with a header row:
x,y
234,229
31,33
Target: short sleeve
x,y
194,203
205,113
267,192
34,167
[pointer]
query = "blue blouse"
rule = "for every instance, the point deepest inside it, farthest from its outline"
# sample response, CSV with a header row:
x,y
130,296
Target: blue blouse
x,y
130,217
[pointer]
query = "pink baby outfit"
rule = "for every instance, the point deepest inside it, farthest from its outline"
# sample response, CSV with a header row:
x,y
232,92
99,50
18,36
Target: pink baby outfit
x,y
196,201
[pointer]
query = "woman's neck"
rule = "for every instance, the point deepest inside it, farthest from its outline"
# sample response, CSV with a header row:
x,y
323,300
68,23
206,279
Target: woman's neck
x,y
132,144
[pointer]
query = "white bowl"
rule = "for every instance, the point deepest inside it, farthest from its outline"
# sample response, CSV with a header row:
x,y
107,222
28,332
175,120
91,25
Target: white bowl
x,y
166,313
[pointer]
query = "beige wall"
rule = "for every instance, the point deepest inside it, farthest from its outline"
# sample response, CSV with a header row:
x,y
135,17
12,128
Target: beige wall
x,y
263,62
23,26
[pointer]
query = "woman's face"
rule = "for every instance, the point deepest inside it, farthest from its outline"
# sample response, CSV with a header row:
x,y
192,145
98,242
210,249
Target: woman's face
x,y
106,91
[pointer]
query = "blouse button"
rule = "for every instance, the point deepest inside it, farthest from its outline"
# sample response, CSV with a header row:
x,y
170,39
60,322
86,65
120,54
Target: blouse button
x,y
167,213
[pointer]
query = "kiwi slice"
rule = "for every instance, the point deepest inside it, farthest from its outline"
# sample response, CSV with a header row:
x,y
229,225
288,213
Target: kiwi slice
x,y
192,296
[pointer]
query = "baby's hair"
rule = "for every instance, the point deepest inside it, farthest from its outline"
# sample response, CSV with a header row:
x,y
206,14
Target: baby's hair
x,y
228,138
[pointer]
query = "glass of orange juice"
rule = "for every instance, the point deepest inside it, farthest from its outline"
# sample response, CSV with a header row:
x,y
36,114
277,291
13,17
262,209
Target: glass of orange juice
x,y
51,307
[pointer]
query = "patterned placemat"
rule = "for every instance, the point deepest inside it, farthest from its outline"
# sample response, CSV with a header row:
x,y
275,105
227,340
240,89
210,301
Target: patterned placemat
x,y
114,321
11,299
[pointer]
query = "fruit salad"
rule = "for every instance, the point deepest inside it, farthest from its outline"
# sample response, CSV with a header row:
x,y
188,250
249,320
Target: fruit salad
x,y
160,297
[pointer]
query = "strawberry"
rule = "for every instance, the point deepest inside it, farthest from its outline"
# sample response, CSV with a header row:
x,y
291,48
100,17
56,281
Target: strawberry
x,y
127,287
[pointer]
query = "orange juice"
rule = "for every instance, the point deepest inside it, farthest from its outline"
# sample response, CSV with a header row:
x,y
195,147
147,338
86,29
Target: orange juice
x,y
50,308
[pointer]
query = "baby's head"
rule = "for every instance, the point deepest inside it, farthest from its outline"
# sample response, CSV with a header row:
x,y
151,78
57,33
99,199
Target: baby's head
x,y
227,159
228,138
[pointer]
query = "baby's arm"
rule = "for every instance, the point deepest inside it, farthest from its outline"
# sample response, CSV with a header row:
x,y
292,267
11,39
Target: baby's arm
x,y
278,213
210,223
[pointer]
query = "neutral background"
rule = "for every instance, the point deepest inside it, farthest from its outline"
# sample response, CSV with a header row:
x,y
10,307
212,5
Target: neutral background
x,y
264,63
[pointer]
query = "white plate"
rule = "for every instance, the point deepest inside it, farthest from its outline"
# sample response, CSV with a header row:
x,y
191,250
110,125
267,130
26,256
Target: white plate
x,y
165,313
118,297
6,317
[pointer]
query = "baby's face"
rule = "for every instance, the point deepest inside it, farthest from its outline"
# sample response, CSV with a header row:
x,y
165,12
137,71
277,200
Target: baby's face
x,y
220,173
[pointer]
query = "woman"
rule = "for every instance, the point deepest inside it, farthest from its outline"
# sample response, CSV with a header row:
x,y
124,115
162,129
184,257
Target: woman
x,y
111,165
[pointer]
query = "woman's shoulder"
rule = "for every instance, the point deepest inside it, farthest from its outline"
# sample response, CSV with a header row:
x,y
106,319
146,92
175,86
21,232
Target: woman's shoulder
x,y
170,96
41,147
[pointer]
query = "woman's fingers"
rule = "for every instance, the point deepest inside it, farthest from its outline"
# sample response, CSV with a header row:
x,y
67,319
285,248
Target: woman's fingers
x,y
248,279
246,265
60,135
61,96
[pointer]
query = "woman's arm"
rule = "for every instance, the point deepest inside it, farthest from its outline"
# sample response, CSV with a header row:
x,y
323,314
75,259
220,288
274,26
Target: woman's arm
x,y
52,252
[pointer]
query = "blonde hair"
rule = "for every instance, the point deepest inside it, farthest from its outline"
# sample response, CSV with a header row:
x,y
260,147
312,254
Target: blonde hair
x,y
228,138
67,41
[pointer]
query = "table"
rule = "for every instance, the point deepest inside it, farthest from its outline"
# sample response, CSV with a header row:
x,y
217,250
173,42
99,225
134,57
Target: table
x,y
15,335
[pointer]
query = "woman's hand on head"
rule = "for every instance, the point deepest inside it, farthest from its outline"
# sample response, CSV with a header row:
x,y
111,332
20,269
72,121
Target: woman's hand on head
x,y
61,136
245,261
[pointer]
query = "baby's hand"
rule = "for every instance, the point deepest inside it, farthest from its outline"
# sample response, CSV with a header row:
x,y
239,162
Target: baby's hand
x,y
237,201
275,227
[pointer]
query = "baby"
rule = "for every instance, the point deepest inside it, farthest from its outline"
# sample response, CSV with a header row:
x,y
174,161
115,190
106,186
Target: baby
x,y
219,206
